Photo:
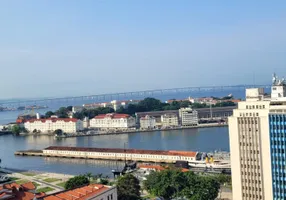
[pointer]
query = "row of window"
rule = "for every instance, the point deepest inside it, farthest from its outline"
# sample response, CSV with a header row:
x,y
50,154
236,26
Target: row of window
x,y
119,155
252,196
252,188
245,181
255,106
250,174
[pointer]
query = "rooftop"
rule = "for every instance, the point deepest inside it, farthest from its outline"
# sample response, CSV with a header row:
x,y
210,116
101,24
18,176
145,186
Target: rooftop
x,y
112,115
133,151
14,191
85,192
53,120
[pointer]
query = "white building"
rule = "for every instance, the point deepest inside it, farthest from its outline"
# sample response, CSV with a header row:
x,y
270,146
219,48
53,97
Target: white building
x,y
257,144
67,125
188,117
169,120
113,120
147,122
89,192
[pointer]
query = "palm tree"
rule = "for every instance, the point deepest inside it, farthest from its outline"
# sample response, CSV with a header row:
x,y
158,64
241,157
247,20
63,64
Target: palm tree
x,y
89,176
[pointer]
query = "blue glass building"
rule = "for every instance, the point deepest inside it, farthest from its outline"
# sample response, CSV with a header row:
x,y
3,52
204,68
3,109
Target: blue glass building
x,y
277,125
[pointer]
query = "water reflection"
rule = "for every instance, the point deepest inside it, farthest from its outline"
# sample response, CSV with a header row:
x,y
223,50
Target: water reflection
x,y
205,139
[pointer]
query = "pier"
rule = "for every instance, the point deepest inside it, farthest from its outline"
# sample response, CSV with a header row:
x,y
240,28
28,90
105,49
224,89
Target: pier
x,y
112,154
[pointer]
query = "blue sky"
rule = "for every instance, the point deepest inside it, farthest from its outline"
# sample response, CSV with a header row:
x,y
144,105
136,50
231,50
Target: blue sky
x,y
54,48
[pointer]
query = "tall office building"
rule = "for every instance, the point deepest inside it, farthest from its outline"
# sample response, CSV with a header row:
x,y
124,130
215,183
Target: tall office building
x,y
257,133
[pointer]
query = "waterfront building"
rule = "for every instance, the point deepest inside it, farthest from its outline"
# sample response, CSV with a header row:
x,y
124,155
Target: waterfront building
x,y
257,143
156,114
170,120
67,125
147,122
89,192
113,121
170,156
188,117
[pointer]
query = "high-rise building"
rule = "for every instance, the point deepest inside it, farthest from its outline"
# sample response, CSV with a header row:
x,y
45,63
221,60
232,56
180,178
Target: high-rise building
x,y
257,133
188,117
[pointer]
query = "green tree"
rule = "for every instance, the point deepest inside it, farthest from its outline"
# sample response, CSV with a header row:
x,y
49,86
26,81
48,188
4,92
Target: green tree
x,y
69,108
167,184
49,114
121,110
59,132
184,104
128,188
17,129
62,112
89,176
76,181
151,104
78,115
171,184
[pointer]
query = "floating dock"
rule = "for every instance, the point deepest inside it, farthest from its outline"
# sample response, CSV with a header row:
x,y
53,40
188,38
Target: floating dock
x,y
112,154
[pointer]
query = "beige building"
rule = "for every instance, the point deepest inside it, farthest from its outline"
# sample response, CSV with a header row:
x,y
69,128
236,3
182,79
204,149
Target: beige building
x,y
67,125
113,121
257,144
188,117
169,120
147,122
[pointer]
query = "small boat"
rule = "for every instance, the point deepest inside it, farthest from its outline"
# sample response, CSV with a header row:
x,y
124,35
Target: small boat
x,y
215,165
215,162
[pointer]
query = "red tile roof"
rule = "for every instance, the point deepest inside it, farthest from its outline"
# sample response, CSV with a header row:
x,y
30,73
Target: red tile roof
x,y
116,150
112,115
81,193
12,192
29,186
53,120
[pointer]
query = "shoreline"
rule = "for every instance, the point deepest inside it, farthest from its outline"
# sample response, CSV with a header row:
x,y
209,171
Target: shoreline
x,y
98,133
139,130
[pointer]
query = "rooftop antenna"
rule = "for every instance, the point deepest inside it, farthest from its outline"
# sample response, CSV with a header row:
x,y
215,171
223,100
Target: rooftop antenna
x,y
254,79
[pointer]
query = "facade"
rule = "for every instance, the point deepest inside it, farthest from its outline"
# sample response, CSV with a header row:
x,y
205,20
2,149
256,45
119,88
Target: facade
x,y
215,112
113,121
67,125
121,154
147,122
170,120
257,144
188,117
89,192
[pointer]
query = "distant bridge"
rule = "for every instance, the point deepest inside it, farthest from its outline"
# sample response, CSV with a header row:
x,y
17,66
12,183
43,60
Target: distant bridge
x,y
127,95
